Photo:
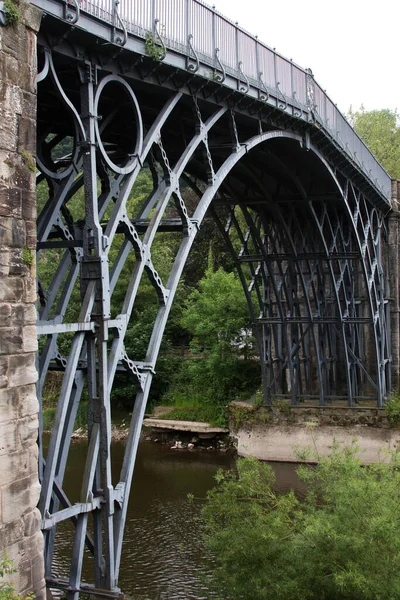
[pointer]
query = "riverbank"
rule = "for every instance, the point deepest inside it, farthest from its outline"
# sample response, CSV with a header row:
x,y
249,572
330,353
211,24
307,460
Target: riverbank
x,y
178,435
281,433
285,433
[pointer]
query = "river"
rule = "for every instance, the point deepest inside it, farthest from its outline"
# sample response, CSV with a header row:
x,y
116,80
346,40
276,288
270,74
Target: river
x,y
163,558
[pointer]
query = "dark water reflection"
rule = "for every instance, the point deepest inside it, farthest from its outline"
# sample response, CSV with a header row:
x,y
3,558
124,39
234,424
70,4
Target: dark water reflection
x,y
163,558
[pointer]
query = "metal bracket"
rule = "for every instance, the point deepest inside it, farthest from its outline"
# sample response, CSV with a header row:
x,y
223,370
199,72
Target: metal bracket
x,y
193,68
70,16
244,89
310,84
157,34
116,38
217,77
283,102
263,93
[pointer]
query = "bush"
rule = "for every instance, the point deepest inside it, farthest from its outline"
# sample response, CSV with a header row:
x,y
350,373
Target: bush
x,y
13,13
7,591
340,542
393,409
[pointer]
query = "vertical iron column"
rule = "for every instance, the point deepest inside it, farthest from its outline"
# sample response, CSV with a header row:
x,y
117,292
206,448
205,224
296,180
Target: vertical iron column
x,y
95,268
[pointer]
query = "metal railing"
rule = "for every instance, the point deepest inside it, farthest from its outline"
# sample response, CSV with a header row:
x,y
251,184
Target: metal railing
x,y
193,29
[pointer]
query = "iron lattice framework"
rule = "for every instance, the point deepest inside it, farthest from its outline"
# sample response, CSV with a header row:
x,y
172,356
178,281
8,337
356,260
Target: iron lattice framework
x,y
306,239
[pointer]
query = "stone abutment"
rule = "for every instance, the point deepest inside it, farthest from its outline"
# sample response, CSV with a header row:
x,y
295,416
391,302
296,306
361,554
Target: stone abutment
x,y
20,535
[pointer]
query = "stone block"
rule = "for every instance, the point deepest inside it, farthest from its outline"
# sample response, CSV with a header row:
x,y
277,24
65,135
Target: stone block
x,y
10,340
40,590
22,370
37,570
17,264
30,234
10,70
12,533
10,202
29,205
28,402
3,372
28,103
25,314
12,233
12,289
4,264
20,553
31,18
32,522
26,135
8,437
22,176
9,403
6,165
11,43
30,294
19,497
17,465
5,312
25,576
28,431
30,343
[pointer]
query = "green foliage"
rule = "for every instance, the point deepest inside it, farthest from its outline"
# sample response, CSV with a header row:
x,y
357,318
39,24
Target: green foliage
x,y
12,12
7,591
392,407
221,365
48,418
194,409
339,542
154,50
216,372
80,420
283,406
217,312
28,159
380,130
28,256
239,415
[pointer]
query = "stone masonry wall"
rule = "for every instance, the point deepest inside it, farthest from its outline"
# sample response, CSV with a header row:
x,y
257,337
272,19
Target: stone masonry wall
x,y
20,536
279,434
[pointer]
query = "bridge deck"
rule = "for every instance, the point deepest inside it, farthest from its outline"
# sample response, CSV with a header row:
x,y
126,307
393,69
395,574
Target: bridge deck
x,y
188,35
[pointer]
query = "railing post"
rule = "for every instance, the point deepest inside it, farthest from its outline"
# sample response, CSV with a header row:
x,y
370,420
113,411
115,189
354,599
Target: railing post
x,y
237,45
187,25
292,90
213,36
310,87
153,17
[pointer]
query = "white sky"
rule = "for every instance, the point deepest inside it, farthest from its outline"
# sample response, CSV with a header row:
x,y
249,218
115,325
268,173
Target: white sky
x,y
352,46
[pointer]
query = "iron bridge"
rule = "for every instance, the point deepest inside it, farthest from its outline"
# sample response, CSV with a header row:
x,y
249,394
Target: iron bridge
x,y
229,130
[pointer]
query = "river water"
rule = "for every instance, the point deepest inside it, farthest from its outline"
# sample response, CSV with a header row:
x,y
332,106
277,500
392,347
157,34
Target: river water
x,y
163,558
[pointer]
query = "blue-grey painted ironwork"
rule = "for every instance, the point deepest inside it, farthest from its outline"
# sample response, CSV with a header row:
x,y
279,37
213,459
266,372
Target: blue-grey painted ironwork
x,y
212,120
193,29
3,19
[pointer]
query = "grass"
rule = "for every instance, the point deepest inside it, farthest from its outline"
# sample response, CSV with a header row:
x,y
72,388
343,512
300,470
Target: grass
x,y
195,409
80,421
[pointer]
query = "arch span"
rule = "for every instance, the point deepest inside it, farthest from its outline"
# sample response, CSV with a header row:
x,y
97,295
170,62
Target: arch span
x,y
115,176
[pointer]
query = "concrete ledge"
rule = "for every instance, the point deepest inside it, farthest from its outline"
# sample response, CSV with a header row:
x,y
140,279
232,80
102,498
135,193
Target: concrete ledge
x,y
279,443
192,426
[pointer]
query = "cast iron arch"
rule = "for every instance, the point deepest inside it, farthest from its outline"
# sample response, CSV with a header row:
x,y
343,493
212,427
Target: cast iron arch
x,y
96,348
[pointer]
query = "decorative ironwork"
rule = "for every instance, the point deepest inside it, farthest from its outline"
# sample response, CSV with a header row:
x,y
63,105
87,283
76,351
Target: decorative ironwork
x,y
307,237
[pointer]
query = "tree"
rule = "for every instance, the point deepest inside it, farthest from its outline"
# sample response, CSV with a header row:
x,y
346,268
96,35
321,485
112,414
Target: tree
x,y
217,311
216,317
339,542
380,130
